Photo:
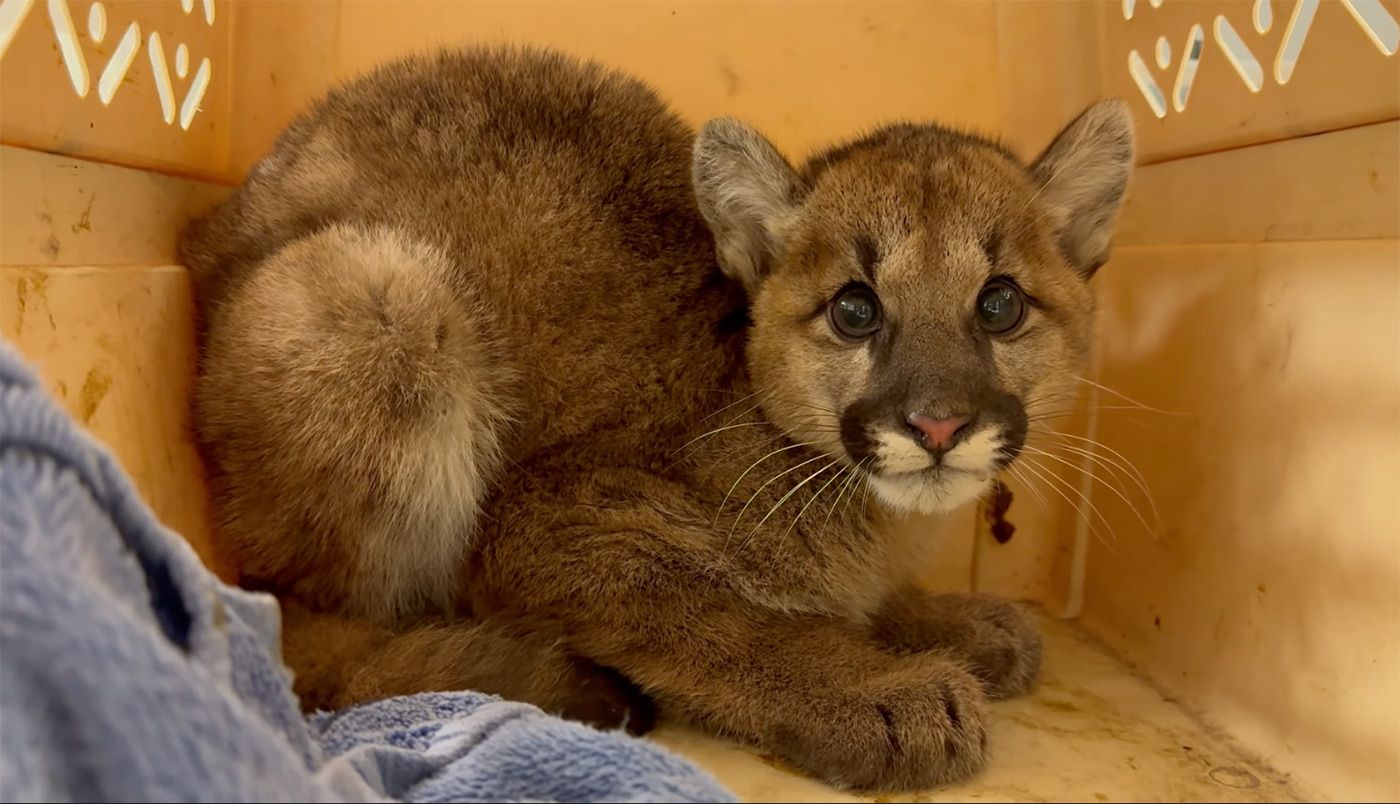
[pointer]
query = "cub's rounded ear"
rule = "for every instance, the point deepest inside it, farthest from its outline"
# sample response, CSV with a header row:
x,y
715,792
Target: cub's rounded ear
x,y
1082,178
747,191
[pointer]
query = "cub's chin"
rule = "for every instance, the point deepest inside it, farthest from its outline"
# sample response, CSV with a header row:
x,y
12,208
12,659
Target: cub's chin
x,y
932,491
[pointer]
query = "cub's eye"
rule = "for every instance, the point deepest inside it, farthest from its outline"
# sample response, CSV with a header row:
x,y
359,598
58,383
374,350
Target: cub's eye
x,y
1000,307
855,312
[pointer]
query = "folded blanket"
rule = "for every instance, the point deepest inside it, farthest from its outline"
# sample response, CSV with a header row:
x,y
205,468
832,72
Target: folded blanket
x,y
130,673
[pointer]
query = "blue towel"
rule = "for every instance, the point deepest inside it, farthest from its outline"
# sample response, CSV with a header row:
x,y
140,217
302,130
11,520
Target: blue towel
x,y
129,673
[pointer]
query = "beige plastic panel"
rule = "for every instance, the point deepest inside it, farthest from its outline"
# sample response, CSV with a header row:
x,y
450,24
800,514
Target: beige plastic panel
x,y
1043,88
1342,186
1271,594
807,72
57,210
104,80
287,56
113,343
1345,74
116,347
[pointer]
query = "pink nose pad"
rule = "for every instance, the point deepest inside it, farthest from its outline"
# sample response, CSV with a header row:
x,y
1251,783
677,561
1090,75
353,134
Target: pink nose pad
x,y
937,433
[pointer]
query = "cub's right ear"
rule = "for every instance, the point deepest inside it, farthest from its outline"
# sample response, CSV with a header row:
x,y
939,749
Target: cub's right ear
x,y
747,192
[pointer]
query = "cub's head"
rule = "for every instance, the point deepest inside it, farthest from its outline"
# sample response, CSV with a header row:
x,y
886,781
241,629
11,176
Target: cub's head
x,y
917,294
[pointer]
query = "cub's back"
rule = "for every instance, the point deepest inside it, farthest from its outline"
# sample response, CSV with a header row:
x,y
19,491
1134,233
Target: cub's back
x,y
560,193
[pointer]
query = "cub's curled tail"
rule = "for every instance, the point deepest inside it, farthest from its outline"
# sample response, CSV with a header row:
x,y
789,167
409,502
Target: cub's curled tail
x,y
351,412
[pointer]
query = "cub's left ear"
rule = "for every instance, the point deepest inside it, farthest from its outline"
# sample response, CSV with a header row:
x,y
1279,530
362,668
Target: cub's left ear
x,y
1083,176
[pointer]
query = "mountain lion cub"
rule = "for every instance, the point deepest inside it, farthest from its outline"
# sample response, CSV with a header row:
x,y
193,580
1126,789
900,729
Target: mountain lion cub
x,y
510,381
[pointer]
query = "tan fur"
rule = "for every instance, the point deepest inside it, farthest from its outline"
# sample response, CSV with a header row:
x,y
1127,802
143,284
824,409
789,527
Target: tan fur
x,y
367,411
467,315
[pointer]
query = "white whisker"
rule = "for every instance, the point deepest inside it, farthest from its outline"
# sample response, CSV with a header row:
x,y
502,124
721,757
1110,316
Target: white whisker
x,y
851,476
1126,467
716,431
1030,467
1025,482
1093,476
738,401
766,484
785,498
745,474
1127,398
815,497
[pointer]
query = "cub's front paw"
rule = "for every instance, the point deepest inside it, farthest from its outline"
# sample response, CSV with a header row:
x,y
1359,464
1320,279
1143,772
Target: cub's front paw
x,y
920,725
997,638
1004,647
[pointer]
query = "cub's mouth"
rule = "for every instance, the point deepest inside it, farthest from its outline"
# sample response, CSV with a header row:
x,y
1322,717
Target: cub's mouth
x,y
928,473
933,490
940,472
935,467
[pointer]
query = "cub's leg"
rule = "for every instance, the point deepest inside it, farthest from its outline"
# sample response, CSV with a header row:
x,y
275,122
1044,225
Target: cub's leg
x,y
341,662
997,638
350,411
627,568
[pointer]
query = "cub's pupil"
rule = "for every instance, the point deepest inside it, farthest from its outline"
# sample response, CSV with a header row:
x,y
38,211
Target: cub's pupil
x,y
996,305
856,310
999,307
